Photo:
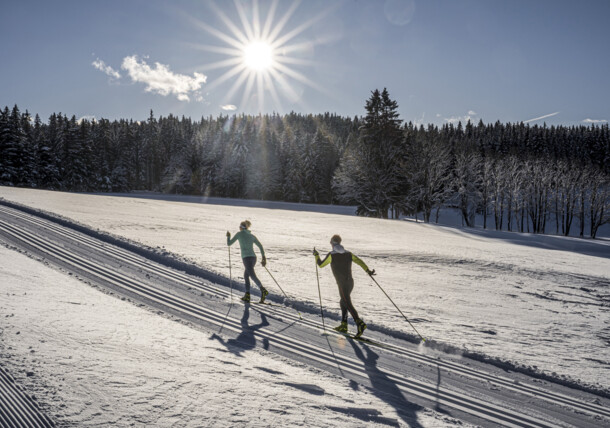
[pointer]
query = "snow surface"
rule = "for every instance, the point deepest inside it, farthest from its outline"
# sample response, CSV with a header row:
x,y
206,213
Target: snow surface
x,y
538,301
95,360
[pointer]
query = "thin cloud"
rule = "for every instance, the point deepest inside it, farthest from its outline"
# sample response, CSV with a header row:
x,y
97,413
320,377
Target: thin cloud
x,y
420,121
594,121
466,118
541,117
161,80
229,107
101,65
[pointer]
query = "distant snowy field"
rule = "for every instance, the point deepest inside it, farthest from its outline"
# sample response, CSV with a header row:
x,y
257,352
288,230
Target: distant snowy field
x,y
537,301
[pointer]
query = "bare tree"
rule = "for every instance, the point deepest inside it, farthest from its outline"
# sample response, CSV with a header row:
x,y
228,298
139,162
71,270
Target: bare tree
x,y
513,185
498,193
537,191
466,184
426,172
599,199
487,185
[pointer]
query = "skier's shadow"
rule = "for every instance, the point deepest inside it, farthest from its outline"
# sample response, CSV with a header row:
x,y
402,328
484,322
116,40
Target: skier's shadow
x,y
384,388
246,339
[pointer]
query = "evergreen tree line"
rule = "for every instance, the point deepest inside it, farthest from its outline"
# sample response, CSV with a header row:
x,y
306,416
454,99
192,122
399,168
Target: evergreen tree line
x,y
520,176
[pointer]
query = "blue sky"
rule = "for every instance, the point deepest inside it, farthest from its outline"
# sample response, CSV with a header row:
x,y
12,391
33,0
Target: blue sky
x,y
445,60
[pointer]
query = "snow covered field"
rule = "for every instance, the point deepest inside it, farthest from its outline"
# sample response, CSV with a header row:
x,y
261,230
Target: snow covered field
x,y
537,301
106,362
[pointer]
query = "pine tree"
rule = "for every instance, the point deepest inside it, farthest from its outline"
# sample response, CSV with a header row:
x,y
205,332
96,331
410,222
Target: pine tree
x,y
74,177
16,165
6,149
369,173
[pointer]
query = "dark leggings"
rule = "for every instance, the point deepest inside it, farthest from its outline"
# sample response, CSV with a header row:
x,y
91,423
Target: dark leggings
x,y
345,291
249,263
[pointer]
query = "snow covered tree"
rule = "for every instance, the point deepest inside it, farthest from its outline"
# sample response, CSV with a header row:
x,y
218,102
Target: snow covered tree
x,y
272,168
318,160
466,182
598,199
513,177
538,194
369,173
426,171
486,183
292,186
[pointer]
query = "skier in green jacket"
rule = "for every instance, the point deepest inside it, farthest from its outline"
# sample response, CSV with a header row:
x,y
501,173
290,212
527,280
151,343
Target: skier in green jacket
x,y
246,243
341,264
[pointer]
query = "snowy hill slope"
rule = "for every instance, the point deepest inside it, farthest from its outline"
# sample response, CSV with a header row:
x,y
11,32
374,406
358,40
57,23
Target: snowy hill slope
x,y
538,301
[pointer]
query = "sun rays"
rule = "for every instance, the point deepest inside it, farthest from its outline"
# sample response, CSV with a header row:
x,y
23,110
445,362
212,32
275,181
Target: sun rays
x,y
264,56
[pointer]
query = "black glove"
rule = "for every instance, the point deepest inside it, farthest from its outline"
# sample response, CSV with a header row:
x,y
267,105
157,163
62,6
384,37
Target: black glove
x,y
228,234
371,272
315,252
264,261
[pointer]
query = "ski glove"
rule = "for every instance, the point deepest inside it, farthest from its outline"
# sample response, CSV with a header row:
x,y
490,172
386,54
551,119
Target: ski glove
x,y
228,234
315,252
264,261
371,272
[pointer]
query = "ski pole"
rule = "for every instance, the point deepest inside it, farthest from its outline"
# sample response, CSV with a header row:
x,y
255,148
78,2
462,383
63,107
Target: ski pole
x,y
230,274
422,338
320,294
278,285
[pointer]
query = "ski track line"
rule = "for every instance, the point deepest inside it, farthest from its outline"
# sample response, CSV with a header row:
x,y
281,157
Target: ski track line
x,y
16,408
487,411
285,314
180,305
171,274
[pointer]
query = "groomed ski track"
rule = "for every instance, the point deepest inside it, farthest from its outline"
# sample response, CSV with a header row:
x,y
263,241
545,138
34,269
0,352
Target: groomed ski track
x,y
403,376
17,409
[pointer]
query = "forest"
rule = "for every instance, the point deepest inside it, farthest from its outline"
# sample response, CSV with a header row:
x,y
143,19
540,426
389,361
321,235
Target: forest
x,y
516,177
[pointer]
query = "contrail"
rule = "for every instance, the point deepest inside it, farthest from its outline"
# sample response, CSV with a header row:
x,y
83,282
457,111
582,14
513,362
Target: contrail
x,y
541,117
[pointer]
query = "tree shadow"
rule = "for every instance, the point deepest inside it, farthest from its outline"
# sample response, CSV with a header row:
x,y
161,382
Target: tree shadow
x,y
249,203
246,340
591,247
384,388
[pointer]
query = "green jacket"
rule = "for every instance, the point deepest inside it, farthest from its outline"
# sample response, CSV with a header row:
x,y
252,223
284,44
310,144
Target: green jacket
x,y
246,243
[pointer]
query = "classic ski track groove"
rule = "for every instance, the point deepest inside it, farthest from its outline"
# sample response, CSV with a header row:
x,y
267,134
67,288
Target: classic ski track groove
x,y
484,410
16,408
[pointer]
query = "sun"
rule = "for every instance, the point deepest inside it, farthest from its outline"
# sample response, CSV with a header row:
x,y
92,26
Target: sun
x,y
258,56
263,55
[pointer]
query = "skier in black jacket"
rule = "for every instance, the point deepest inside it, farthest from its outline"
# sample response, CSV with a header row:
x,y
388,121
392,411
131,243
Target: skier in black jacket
x,y
341,264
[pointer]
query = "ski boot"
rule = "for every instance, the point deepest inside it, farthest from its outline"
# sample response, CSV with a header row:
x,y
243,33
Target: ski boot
x,y
264,293
361,327
246,297
341,328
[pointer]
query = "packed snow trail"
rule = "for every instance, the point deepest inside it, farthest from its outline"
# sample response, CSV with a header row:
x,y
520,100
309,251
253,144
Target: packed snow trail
x,y
397,372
